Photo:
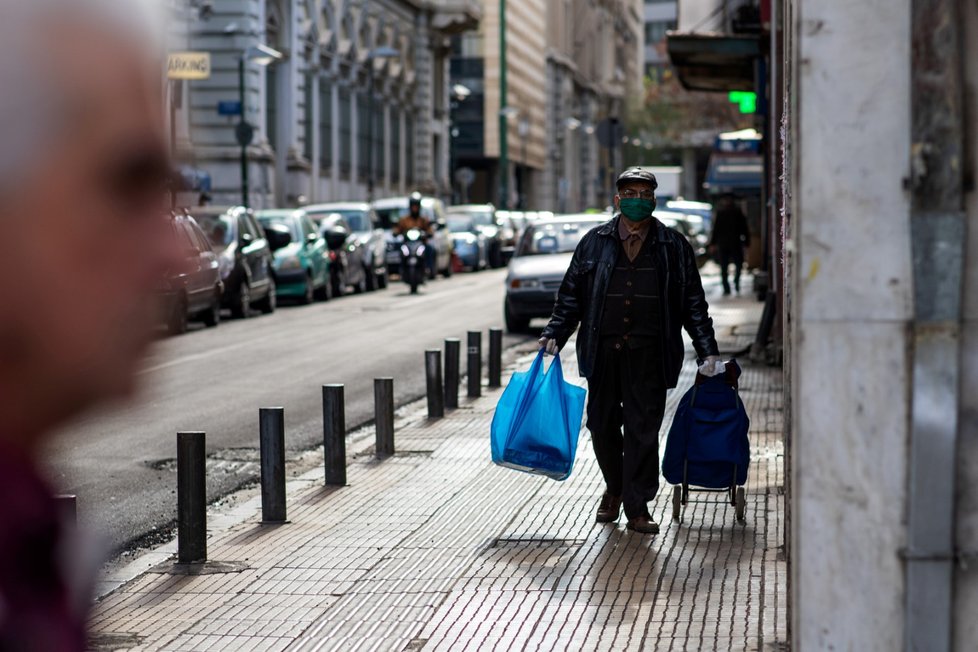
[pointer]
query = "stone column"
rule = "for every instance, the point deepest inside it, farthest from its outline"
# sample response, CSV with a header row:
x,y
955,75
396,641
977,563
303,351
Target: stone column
x,y
334,181
315,146
424,106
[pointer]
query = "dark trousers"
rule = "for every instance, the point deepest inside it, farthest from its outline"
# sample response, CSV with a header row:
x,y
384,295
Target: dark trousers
x,y
731,256
626,391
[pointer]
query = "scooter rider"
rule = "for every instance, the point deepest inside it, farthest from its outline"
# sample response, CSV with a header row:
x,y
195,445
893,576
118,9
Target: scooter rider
x,y
416,220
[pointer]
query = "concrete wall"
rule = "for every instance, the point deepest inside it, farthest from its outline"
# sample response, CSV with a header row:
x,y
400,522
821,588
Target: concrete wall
x,y
851,282
966,539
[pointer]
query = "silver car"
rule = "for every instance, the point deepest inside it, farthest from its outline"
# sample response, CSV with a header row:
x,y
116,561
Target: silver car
x,y
367,229
537,269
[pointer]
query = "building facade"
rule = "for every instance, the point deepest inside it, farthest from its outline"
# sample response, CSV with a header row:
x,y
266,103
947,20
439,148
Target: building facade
x,y
660,16
570,65
357,104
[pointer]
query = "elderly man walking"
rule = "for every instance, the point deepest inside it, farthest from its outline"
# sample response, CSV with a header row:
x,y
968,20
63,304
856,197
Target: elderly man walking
x,y
632,285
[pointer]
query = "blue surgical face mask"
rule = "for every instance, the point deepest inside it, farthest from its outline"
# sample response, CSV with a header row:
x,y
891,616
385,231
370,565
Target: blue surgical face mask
x,y
636,209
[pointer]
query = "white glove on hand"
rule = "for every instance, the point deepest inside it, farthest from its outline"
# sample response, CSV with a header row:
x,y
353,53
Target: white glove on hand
x,y
712,366
549,345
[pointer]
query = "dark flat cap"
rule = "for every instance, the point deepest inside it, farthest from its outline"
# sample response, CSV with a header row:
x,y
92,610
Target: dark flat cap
x,y
636,174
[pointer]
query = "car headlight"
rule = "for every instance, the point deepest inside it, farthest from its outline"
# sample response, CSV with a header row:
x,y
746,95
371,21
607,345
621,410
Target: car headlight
x,y
287,263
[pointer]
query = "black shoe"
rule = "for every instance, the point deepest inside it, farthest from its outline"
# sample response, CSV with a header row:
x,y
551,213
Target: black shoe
x,y
643,525
726,292
609,509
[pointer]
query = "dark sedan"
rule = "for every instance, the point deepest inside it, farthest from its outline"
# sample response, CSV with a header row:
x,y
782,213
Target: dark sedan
x,y
192,289
539,264
244,257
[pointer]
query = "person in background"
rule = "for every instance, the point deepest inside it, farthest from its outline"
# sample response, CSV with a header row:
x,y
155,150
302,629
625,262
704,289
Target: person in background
x,y
633,286
84,168
415,219
728,240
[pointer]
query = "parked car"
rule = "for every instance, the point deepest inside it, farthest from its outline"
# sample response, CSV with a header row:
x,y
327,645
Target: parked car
x,y
367,228
390,211
468,240
485,219
193,289
539,264
300,257
244,257
702,209
347,255
686,226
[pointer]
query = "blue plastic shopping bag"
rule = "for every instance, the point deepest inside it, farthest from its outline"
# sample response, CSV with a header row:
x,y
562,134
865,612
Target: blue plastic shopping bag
x,y
537,422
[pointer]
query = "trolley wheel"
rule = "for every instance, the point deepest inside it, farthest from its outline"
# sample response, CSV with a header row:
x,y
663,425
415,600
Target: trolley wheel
x,y
741,504
677,503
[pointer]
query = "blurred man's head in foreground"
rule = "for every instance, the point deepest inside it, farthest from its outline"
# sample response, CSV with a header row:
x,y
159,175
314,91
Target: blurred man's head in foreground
x,y
83,167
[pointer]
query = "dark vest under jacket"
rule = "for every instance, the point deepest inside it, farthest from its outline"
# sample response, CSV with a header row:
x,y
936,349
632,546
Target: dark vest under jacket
x,y
631,307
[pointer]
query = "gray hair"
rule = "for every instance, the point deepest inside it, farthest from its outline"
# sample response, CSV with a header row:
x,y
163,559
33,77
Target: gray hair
x,y
29,104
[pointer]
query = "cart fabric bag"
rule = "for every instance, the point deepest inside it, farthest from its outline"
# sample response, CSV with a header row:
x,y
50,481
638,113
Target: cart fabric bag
x,y
538,421
709,434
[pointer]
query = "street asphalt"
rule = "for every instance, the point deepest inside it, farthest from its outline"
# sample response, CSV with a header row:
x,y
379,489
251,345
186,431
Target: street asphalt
x,y
119,462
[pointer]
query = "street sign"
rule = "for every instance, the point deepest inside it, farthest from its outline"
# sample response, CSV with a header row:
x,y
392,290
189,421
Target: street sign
x,y
229,107
188,65
244,133
609,132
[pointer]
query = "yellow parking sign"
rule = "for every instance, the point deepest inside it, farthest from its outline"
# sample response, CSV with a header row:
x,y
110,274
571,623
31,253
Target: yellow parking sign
x,y
189,65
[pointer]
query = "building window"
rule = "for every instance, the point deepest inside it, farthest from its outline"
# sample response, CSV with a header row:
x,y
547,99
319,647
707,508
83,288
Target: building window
x,y
395,147
377,115
345,130
660,2
409,136
656,31
363,133
325,124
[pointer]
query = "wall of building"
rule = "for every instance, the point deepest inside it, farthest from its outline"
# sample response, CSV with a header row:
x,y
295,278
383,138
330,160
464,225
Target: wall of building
x,y
966,535
852,301
314,111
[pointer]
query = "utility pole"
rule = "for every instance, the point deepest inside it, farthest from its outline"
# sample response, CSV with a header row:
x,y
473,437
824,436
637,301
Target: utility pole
x,y
503,118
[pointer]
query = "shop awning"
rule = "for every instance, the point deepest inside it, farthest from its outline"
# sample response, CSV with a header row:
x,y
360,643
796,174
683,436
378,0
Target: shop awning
x,y
714,62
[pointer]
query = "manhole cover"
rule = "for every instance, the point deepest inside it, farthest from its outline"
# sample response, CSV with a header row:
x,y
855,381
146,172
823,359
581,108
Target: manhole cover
x,y
112,641
204,568
536,542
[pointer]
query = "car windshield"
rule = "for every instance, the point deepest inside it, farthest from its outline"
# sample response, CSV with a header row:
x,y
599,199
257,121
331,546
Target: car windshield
x,y
390,215
220,229
290,223
459,222
553,237
482,218
356,218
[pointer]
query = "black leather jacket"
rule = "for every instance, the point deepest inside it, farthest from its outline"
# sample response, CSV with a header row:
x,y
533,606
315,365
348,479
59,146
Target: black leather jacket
x,y
580,299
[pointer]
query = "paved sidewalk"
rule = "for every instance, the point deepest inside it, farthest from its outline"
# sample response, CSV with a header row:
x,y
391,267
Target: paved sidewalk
x,y
437,549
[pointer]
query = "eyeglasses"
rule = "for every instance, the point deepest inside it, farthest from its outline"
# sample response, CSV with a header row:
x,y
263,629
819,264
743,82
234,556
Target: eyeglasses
x,y
633,194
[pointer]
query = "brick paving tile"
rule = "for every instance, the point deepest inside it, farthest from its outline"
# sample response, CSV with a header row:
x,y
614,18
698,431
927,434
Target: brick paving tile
x,y
437,549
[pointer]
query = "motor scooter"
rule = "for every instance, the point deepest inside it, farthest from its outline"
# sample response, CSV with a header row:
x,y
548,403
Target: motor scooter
x,y
413,258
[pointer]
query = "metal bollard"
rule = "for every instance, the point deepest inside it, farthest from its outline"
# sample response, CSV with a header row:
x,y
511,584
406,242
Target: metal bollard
x,y
191,498
453,348
271,439
384,416
67,505
475,364
495,357
436,392
334,434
